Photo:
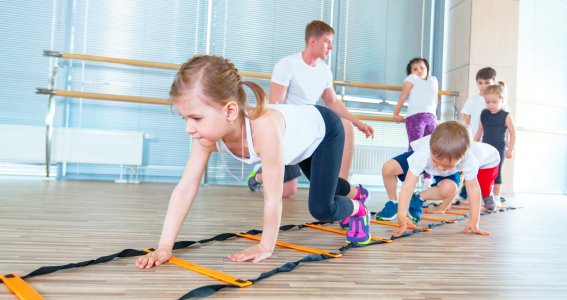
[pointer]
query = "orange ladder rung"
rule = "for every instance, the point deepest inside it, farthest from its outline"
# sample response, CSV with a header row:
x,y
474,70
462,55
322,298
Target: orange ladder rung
x,y
19,287
448,212
293,246
208,271
434,219
392,224
319,227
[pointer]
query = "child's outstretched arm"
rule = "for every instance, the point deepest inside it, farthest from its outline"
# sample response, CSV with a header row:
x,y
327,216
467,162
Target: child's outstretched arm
x,y
511,141
403,202
179,204
473,191
268,144
406,89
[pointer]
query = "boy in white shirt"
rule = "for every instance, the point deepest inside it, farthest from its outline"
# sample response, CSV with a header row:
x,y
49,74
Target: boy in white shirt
x,y
448,151
475,104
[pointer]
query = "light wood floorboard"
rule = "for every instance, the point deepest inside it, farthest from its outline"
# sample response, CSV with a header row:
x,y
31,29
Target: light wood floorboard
x,y
47,223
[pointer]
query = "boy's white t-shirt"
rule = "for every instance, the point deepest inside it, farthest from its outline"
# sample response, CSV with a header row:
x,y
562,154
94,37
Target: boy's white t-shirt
x,y
305,84
423,95
481,156
473,107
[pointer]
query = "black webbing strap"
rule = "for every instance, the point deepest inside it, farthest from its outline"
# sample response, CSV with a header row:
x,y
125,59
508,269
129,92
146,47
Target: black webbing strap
x,y
102,259
134,252
208,290
458,219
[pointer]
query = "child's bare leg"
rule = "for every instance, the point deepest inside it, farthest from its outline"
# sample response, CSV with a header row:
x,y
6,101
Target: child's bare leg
x,y
390,171
497,188
446,190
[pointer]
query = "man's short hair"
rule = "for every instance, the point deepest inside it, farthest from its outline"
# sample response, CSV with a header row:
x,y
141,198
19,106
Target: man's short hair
x,y
317,29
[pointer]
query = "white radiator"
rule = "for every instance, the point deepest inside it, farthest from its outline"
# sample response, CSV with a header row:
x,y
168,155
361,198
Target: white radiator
x,y
21,143
368,159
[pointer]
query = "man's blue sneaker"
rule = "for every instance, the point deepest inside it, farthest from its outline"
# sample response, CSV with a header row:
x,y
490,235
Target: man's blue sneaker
x,y
389,212
253,184
415,207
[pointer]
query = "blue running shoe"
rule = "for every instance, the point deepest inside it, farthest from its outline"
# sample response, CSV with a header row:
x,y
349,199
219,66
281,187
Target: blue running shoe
x,y
415,207
389,212
359,230
253,184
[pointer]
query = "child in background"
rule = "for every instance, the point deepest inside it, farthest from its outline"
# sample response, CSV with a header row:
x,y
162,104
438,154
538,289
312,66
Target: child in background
x,y
444,154
420,91
209,94
474,106
495,126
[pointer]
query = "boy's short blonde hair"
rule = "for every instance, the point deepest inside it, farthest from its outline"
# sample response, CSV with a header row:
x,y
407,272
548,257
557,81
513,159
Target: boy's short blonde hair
x,y
450,140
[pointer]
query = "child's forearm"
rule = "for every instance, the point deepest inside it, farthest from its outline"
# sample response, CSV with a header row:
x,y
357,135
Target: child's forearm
x,y
404,199
177,211
272,221
473,191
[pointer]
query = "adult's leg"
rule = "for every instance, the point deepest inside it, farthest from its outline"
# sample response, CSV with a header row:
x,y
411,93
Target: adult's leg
x,y
291,174
289,188
348,149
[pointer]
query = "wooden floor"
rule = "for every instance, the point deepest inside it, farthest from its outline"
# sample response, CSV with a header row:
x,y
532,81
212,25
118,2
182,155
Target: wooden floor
x,y
51,223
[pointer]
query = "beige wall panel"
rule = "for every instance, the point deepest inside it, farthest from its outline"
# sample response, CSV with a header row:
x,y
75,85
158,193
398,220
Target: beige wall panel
x,y
494,32
457,51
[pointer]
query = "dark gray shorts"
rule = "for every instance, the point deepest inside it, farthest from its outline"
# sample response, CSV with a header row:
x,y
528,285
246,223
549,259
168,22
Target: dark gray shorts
x,y
290,172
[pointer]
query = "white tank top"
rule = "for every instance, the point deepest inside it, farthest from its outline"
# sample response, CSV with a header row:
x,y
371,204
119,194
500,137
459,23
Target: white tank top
x,y
304,131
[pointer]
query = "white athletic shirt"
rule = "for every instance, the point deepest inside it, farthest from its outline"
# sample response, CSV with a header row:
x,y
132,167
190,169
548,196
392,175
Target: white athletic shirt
x,y
473,107
304,131
423,95
305,84
481,156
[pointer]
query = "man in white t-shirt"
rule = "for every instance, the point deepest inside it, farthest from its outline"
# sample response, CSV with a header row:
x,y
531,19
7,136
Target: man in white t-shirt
x,y
303,78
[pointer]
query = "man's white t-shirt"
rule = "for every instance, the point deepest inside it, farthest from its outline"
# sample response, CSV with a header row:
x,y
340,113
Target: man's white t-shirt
x,y
423,95
480,156
305,84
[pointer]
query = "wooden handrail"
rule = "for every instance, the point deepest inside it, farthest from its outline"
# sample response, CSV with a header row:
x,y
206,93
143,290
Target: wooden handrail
x,y
159,101
169,66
